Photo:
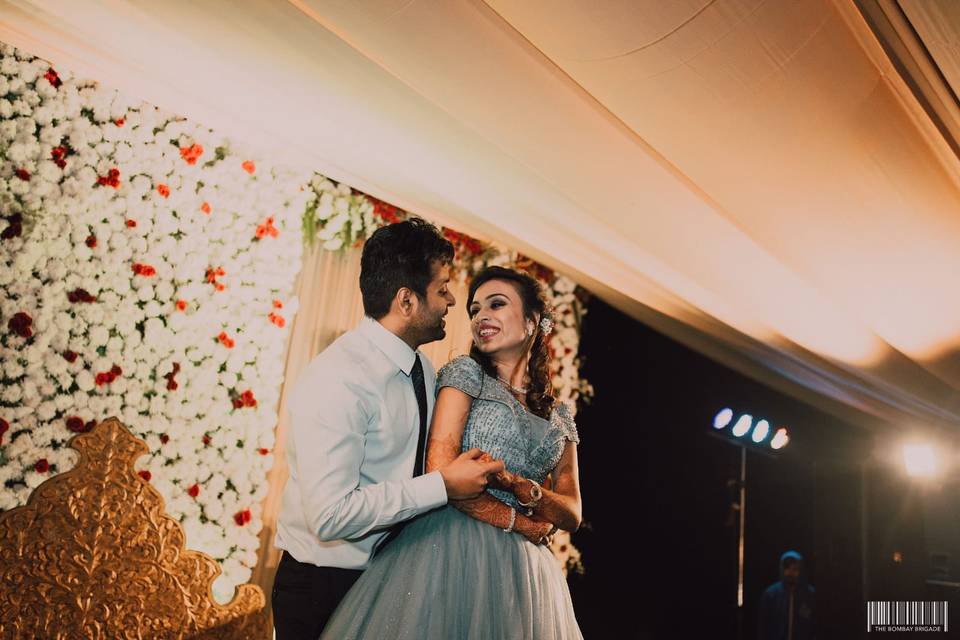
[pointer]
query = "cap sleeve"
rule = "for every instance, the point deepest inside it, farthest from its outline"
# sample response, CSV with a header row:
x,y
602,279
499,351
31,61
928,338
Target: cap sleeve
x,y
463,373
562,419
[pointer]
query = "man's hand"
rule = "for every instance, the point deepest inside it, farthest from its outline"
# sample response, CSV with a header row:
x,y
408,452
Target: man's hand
x,y
466,476
503,480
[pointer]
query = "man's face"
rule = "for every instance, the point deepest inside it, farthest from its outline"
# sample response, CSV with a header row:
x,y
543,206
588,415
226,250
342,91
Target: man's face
x,y
791,573
428,323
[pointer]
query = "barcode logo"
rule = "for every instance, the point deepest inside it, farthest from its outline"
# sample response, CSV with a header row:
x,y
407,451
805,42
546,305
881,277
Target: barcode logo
x,y
906,616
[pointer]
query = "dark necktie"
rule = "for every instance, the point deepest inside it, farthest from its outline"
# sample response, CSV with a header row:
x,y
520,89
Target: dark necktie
x,y
416,375
420,390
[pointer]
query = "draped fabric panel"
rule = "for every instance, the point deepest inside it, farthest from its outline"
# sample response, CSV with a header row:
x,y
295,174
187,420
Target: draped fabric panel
x,y
330,304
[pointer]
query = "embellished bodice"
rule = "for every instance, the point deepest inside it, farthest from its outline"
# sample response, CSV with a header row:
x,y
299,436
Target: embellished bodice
x,y
499,425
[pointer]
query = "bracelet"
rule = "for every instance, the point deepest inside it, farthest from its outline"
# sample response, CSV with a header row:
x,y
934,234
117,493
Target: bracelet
x,y
536,494
513,520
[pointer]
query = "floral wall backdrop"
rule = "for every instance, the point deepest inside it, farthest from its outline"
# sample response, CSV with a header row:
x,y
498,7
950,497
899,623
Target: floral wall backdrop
x,y
146,269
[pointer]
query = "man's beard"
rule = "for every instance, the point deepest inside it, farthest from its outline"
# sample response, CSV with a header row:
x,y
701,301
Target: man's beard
x,y
432,332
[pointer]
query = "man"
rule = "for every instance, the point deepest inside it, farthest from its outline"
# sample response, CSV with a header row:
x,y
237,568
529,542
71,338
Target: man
x,y
786,609
358,420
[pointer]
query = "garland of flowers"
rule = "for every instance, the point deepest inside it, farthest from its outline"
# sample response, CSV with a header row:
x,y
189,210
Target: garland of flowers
x,y
338,218
146,271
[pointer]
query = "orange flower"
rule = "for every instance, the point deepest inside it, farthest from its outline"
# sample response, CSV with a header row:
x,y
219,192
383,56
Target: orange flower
x,y
205,207
248,166
277,304
191,153
163,190
181,305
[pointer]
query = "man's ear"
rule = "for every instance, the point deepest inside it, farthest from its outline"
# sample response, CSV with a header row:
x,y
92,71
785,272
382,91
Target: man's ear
x,y
406,301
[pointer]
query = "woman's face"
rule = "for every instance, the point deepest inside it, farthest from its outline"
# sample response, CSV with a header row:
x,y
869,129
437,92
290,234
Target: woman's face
x,y
497,320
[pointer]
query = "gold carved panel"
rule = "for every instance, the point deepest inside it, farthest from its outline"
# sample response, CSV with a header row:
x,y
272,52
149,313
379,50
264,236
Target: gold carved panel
x,y
93,555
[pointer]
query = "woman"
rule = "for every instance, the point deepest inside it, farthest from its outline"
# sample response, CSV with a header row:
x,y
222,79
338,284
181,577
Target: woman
x,y
480,568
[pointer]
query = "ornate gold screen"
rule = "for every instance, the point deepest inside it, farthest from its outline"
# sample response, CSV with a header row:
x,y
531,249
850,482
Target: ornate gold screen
x,y
93,555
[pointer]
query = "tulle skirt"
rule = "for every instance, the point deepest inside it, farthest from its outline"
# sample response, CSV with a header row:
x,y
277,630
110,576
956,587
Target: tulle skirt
x,y
450,577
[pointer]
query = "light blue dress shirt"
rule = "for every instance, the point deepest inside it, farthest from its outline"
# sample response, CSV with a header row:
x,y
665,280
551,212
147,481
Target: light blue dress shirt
x,y
354,425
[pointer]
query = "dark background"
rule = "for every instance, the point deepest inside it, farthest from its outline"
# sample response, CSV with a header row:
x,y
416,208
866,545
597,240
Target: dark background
x,y
660,542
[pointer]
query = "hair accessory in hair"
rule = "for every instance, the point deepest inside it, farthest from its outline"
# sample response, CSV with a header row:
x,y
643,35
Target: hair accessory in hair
x,y
546,324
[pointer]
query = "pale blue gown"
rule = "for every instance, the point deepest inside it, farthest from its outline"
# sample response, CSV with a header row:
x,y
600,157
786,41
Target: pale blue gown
x,y
448,576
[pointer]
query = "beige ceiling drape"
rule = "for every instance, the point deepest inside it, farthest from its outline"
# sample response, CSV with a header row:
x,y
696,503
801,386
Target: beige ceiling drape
x,y
753,178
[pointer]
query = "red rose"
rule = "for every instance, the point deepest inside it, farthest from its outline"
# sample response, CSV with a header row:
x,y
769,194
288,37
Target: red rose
x,y
76,425
237,403
116,370
172,385
119,122
131,223
277,304
70,356
20,324
53,78
145,475
163,190
4,427
164,439
101,379
42,465
80,295
112,179
59,155
206,441
194,491
23,174
248,166
242,517
264,452
14,228
92,241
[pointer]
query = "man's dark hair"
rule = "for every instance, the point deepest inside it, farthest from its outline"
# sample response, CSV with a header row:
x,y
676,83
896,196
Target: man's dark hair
x,y
400,255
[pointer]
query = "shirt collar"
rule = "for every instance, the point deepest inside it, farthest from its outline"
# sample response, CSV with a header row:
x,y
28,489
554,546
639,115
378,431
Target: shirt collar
x,y
398,351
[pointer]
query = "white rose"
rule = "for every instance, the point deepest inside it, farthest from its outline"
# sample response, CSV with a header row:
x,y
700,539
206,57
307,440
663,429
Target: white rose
x,y
85,380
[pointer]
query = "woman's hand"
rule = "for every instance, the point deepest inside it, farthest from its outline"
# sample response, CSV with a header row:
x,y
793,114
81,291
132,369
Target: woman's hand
x,y
503,480
537,532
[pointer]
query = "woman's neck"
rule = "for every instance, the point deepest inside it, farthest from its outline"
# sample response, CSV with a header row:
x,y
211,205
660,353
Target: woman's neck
x,y
512,369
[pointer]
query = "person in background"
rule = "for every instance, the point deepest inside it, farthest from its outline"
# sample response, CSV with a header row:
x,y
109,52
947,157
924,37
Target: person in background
x,y
787,606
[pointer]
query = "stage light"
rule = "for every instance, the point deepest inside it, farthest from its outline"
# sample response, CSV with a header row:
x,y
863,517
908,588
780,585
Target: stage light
x,y
743,425
921,460
780,439
760,431
723,418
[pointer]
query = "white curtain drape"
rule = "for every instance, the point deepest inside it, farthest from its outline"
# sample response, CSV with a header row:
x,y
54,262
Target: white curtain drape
x,y
330,304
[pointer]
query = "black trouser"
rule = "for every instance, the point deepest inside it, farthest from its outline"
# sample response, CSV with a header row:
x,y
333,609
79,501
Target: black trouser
x,y
305,596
